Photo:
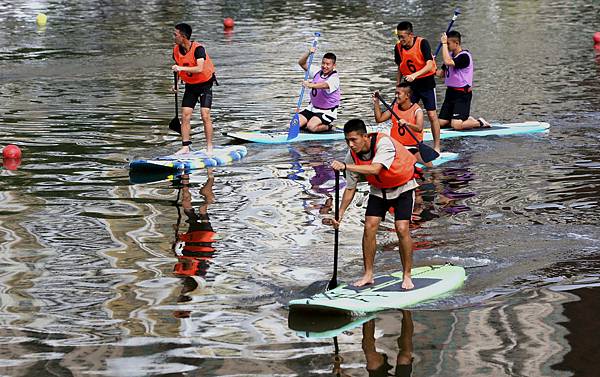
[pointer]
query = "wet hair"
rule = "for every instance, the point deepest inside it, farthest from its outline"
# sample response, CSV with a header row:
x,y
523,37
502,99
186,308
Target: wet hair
x,y
184,29
405,25
355,125
454,34
331,56
405,85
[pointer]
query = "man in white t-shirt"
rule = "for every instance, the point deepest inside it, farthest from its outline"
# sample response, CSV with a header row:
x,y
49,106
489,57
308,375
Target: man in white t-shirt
x,y
389,169
325,93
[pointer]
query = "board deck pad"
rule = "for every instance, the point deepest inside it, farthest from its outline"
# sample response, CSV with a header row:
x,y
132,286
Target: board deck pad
x,y
191,161
280,137
385,293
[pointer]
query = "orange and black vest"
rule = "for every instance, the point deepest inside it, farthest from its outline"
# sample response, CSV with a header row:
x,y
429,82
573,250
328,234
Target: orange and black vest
x,y
198,241
401,171
413,60
189,60
399,132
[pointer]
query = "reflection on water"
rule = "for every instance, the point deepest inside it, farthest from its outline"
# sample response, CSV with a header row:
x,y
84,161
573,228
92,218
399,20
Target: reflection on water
x,y
93,277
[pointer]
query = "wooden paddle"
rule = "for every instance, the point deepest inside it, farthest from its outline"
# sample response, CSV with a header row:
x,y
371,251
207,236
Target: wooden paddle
x,y
456,13
175,124
333,282
427,153
295,123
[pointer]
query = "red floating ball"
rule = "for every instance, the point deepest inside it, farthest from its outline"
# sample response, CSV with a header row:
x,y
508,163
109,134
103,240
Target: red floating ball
x,y
11,151
597,37
228,23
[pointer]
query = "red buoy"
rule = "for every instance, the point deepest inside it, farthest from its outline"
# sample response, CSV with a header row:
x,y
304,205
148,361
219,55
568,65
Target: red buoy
x,y
11,163
228,23
11,151
597,37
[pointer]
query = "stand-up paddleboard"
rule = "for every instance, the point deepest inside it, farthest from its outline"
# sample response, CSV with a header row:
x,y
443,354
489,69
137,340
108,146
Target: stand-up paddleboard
x,y
191,161
280,137
386,292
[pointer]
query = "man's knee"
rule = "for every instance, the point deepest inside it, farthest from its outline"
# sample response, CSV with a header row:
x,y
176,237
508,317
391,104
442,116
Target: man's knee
x,y
457,124
402,228
371,225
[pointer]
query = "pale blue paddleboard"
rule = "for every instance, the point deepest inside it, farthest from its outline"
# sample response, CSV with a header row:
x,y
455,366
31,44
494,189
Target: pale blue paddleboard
x,y
442,159
191,161
280,137
386,293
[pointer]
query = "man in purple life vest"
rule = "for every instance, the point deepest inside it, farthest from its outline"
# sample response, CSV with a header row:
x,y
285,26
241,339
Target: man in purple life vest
x,y
458,71
325,94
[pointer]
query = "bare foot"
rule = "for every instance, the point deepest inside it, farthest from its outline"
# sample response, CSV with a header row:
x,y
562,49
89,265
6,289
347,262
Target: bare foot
x,y
407,283
366,279
184,150
209,149
484,123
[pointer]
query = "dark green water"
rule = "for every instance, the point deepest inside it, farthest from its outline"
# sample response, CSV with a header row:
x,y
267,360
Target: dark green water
x,y
88,283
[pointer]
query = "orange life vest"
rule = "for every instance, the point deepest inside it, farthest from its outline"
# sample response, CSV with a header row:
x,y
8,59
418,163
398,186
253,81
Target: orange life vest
x,y
399,132
413,60
198,236
189,60
401,171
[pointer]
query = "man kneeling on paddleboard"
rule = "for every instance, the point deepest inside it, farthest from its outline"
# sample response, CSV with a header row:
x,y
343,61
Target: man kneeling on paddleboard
x,y
389,169
325,93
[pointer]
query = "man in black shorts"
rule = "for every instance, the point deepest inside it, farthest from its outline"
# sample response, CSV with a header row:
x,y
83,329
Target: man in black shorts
x,y
458,73
389,169
196,69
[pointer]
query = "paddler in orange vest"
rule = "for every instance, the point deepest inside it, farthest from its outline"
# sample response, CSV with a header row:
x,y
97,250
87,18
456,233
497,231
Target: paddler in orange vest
x,y
389,169
197,71
411,116
416,65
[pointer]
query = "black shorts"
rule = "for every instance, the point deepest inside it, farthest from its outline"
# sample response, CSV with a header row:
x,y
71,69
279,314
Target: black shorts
x,y
403,206
197,93
457,105
325,119
425,95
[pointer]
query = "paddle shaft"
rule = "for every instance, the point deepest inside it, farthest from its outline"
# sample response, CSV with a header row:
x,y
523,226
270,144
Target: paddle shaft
x,y
176,90
454,17
307,73
333,282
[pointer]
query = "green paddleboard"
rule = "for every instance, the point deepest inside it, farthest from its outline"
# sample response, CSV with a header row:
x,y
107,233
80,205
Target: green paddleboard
x,y
386,293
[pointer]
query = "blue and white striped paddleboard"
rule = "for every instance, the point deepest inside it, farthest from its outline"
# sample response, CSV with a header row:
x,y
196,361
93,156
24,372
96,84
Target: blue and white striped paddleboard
x,y
191,161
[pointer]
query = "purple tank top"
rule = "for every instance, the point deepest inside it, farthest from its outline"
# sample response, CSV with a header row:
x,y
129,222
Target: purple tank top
x,y
321,98
459,78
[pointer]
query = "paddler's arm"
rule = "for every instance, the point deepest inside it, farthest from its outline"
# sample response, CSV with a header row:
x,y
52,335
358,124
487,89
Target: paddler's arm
x,y
196,69
418,126
428,67
304,58
379,116
315,85
448,61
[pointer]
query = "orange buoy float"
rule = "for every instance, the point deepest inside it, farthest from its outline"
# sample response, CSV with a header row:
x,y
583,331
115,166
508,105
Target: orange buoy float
x,y
11,151
228,23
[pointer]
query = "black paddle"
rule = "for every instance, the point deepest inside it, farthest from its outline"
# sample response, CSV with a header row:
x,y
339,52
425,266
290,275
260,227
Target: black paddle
x,y
333,282
175,124
427,153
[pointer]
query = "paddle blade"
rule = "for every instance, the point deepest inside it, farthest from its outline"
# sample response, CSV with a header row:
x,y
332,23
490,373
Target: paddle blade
x,y
294,127
175,125
428,154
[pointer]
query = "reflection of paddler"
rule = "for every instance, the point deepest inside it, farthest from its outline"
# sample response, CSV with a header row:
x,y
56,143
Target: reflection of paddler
x,y
377,363
194,248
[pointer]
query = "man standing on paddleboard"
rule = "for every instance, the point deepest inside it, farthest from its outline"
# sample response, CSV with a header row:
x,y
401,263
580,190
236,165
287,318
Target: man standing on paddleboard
x,y
196,69
325,94
389,168
458,72
416,65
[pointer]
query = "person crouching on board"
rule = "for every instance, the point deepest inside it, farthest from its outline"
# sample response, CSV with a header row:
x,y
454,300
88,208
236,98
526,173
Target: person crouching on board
x,y
411,116
458,72
389,169
196,69
325,94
